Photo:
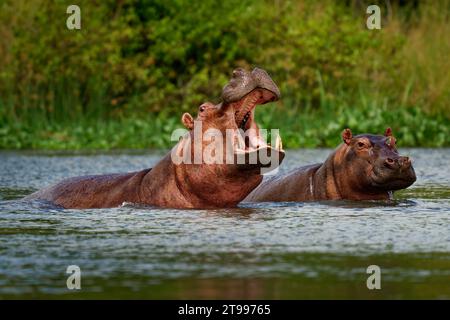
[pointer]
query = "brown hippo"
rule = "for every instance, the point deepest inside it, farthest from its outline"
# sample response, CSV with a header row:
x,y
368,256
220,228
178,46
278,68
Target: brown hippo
x,y
184,184
364,167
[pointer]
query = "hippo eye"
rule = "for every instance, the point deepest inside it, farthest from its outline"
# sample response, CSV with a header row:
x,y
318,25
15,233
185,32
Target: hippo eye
x,y
361,144
201,109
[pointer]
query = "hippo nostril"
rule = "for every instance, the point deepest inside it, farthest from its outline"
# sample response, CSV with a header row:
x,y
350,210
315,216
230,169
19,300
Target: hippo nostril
x,y
390,163
406,161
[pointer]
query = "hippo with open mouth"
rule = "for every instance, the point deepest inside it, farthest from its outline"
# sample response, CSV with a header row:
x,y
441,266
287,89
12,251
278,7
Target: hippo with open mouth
x,y
189,185
364,167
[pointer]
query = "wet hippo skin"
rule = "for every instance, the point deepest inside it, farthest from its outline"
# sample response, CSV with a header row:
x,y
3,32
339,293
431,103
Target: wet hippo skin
x,y
363,167
186,185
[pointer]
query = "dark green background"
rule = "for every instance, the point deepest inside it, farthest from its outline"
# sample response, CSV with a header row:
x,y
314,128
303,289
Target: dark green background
x,y
125,78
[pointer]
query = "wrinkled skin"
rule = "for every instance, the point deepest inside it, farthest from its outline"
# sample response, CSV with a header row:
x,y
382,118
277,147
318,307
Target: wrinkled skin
x,y
184,185
364,167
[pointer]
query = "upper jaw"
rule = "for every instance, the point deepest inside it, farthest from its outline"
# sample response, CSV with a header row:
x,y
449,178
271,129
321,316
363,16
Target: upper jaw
x,y
243,82
244,109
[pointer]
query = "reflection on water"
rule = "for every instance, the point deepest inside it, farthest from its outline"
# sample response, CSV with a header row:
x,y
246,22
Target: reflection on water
x,y
265,250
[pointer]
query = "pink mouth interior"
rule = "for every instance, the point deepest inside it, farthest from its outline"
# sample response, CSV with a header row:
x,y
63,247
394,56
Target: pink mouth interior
x,y
245,117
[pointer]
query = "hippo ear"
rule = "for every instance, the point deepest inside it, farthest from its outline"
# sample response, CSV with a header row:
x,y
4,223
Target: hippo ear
x,y
347,136
188,121
390,141
388,132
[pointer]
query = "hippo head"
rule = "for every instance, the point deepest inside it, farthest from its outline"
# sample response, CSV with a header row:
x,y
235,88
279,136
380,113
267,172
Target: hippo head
x,y
375,164
231,172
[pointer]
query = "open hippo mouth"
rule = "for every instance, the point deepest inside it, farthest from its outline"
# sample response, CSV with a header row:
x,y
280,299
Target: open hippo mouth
x,y
243,93
244,116
244,109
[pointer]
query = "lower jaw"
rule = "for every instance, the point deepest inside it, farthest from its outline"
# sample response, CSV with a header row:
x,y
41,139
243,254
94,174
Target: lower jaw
x,y
393,185
259,144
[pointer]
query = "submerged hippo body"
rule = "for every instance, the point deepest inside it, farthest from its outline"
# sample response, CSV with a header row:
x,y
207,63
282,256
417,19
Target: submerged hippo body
x,y
186,185
364,167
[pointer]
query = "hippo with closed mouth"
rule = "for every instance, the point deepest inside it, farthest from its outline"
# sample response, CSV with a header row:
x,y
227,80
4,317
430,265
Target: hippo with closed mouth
x,y
364,167
189,185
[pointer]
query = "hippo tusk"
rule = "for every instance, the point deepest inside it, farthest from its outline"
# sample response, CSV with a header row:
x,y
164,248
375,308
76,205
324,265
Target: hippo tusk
x,y
278,143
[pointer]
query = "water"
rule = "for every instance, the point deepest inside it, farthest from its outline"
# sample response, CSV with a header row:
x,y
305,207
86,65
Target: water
x,y
269,250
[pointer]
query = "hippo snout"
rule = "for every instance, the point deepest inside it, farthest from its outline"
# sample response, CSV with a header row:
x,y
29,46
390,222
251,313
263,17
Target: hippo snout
x,y
394,172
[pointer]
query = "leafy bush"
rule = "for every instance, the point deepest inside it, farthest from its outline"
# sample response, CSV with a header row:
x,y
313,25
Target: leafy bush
x,y
154,59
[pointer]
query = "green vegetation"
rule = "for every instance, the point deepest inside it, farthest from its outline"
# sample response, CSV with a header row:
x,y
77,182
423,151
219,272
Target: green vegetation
x,y
125,78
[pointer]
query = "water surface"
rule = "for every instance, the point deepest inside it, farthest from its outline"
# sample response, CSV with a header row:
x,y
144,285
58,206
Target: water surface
x,y
266,250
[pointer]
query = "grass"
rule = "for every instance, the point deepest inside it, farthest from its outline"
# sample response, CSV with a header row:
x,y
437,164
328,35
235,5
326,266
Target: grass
x,y
306,126
127,84
300,126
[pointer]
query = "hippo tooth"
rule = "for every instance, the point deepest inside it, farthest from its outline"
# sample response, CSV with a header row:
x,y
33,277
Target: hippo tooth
x,y
278,143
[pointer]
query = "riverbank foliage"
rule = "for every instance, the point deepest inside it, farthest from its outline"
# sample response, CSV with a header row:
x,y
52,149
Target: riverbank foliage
x,y
125,78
